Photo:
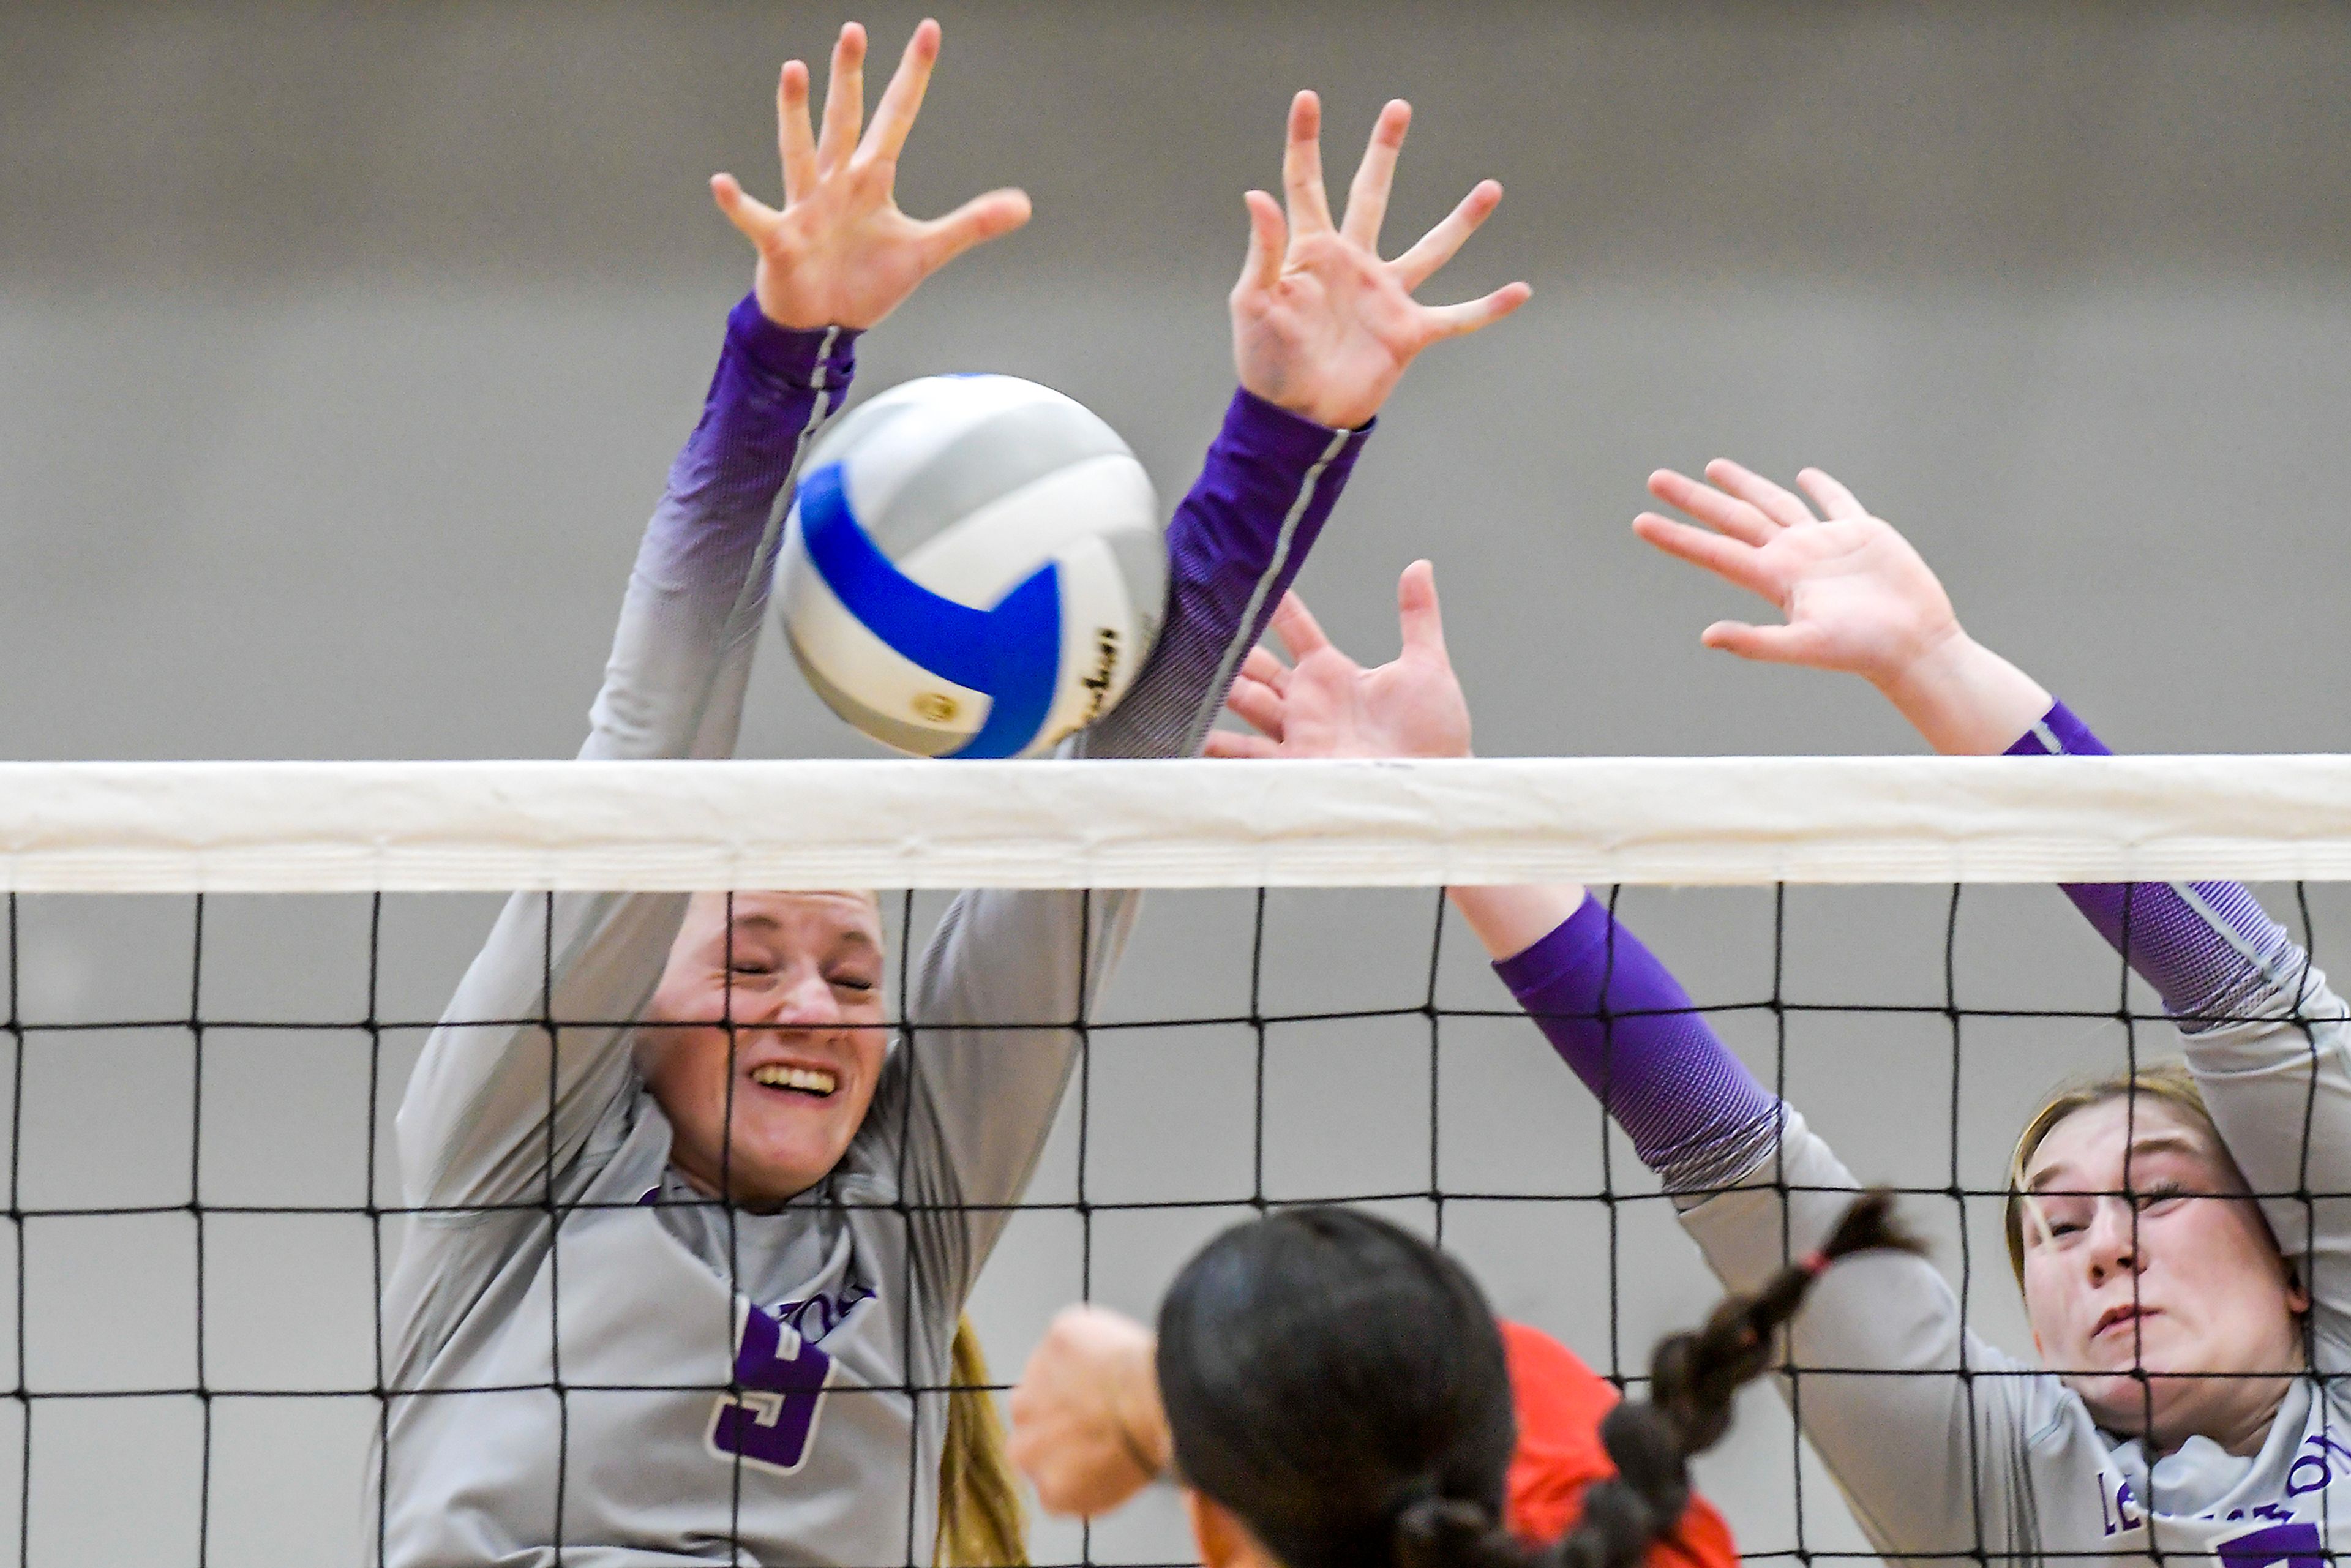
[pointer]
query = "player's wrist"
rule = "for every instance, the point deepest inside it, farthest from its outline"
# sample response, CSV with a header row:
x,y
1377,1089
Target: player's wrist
x,y
1929,662
795,355
1136,1413
1963,698
1272,379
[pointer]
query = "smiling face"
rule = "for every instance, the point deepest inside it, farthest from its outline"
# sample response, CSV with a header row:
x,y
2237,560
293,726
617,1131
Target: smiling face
x,y
800,974
2189,1286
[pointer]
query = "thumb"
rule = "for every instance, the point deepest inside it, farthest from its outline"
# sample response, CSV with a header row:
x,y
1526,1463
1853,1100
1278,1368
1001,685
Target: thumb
x,y
1795,644
753,216
1268,240
977,221
1417,612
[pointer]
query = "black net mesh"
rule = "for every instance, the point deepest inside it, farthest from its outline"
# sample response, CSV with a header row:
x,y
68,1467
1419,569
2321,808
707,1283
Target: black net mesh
x,y
205,1209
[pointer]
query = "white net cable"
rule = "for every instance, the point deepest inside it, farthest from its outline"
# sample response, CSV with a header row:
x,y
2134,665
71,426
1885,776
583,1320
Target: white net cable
x,y
345,827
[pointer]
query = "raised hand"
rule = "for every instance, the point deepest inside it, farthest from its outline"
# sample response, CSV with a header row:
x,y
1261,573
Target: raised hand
x,y
1858,597
1326,705
1322,326
841,254
1855,596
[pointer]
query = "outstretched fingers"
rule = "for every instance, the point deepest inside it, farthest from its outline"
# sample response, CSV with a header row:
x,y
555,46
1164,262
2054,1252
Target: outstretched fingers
x,y
844,99
753,217
1419,614
1257,705
1299,632
1438,245
1301,167
1729,559
1835,500
1740,519
1454,320
1269,241
1232,743
795,141
901,100
1799,644
1367,198
1777,502
977,221
1262,665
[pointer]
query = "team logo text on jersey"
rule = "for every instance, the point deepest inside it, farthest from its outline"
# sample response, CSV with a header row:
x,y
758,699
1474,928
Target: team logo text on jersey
x,y
2281,1542
770,1424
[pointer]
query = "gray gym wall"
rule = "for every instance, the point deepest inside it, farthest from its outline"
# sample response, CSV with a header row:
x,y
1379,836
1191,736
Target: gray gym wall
x,y
345,349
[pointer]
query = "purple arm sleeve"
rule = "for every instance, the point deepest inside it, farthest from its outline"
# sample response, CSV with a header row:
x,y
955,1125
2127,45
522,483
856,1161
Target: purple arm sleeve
x,y
473,1127
1615,1015
2206,947
681,658
1234,546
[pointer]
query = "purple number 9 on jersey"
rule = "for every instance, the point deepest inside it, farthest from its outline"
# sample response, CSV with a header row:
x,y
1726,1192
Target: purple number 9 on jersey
x,y
771,1422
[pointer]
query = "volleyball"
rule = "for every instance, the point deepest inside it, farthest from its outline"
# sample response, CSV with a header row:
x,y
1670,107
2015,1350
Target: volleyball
x,y
974,565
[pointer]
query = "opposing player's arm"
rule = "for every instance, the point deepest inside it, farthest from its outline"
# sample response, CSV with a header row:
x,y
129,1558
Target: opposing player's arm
x,y
490,1116
2264,1035
1323,328
1088,1428
1090,1431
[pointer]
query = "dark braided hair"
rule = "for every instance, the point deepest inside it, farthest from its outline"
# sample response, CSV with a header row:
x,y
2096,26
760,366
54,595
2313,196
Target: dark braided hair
x,y
1340,1387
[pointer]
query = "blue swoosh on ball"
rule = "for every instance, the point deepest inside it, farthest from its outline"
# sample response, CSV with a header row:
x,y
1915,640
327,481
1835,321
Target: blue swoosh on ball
x,y
1012,651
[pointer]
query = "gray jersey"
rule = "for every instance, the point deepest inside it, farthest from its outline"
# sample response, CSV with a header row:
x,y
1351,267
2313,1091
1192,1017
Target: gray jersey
x,y
590,1365
1965,1450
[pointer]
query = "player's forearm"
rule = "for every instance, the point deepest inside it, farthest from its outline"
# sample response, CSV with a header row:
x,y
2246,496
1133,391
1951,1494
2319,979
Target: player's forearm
x,y
2208,948
681,655
473,1126
1509,919
1235,546
1620,1019
1908,1445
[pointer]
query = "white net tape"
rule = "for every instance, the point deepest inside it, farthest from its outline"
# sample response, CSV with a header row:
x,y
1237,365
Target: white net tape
x,y
327,827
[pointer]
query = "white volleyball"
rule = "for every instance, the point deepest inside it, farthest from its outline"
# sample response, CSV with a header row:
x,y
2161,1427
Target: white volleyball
x,y
974,565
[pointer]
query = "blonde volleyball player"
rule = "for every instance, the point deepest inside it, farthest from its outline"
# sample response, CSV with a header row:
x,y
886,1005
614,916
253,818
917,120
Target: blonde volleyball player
x,y
1332,1392
2183,1261
686,1227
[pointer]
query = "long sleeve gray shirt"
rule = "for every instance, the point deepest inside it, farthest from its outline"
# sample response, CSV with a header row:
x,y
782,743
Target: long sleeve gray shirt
x,y
1944,1444
590,1365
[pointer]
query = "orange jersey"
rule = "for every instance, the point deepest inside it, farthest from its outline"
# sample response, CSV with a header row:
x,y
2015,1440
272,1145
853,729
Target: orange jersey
x,y
1560,1403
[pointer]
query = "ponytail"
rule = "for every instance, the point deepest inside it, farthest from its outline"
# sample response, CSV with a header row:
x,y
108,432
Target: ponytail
x,y
1692,1379
1340,1387
980,1522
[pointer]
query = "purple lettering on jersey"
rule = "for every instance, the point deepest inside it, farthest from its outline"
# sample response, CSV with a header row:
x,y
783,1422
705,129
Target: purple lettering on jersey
x,y
2314,1469
771,1422
2118,1508
819,1315
2291,1546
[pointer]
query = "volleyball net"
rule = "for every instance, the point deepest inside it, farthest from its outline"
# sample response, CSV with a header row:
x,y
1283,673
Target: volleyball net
x,y
220,976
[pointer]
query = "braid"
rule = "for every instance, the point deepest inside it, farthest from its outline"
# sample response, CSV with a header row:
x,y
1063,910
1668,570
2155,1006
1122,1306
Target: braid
x,y
1692,1379
1448,1532
1307,1395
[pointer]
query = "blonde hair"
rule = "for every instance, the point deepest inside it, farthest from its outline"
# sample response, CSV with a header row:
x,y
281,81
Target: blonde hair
x,y
980,1517
2169,1082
